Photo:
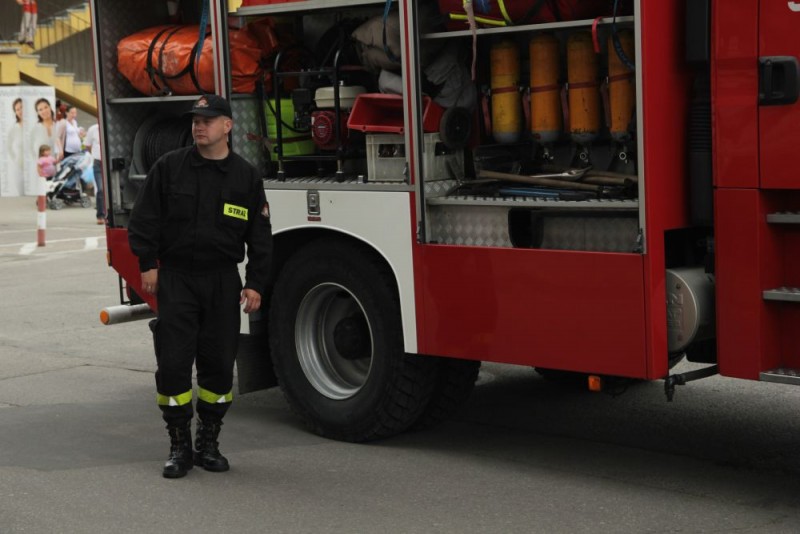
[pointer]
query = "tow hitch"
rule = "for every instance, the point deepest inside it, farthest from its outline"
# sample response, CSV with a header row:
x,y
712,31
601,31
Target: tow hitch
x,y
682,378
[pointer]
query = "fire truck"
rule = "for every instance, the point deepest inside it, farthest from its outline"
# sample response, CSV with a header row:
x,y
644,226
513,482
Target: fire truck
x,y
598,192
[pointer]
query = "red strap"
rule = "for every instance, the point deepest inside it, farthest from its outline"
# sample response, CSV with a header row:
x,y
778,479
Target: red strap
x,y
582,85
501,90
565,107
487,120
595,37
526,108
606,103
620,77
546,88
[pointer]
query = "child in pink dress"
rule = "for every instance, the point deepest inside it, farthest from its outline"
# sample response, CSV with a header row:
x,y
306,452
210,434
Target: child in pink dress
x,y
46,164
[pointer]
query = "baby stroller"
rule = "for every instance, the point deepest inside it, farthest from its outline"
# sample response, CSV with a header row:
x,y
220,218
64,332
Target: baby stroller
x,y
67,186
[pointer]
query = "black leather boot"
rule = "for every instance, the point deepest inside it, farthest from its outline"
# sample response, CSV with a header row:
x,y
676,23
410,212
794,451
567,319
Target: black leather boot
x,y
206,454
180,451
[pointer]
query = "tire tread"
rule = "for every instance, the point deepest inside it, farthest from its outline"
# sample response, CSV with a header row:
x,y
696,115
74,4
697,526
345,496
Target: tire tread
x,y
412,378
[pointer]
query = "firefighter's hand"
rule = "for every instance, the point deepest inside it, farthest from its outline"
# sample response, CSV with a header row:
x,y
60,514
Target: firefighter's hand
x,y
150,281
251,300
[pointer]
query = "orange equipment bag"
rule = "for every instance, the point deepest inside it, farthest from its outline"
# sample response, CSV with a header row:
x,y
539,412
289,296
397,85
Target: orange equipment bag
x,y
161,60
490,13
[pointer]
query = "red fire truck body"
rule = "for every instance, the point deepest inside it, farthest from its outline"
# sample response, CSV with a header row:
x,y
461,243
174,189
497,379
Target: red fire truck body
x,y
755,192
440,289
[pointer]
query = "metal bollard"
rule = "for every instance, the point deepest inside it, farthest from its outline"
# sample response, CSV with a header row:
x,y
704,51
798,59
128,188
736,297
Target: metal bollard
x,y
41,220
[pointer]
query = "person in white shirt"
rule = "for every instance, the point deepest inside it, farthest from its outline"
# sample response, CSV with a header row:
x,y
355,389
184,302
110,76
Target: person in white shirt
x,y
69,133
92,142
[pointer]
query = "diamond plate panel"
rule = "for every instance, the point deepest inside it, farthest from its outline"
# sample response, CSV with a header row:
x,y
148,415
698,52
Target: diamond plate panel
x,y
247,132
120,129
597,234
120,19
488,226
124,119
466,225
438,188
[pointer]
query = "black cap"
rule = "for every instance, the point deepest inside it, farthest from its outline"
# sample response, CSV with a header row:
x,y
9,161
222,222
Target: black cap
x,y
210,106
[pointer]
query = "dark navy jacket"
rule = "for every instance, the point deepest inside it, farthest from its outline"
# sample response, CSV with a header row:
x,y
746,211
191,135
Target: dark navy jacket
x,y
195,215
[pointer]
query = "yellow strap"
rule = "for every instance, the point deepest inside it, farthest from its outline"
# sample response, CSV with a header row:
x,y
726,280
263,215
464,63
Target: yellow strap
x,y
502,6
482,20
174,400
214,398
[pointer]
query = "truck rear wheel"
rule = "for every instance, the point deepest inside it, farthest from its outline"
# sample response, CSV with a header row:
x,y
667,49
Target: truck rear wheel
x,y
455,381
337,345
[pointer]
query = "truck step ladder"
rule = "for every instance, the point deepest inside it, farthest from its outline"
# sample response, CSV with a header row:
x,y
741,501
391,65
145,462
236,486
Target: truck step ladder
x,y
781,375
784,217
783,294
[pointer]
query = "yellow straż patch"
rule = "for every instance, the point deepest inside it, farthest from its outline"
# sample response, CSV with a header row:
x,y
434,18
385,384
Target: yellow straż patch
x,y
234,211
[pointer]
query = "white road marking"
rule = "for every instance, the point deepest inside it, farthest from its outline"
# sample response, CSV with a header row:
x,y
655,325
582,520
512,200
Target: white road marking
x,y
27,248
30,247
27,230
27,243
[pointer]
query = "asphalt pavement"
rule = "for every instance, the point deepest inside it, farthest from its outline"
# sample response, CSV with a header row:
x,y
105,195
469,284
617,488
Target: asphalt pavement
x,y
82,442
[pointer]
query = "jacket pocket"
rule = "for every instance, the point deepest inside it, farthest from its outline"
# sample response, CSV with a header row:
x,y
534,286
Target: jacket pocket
x,y
181,205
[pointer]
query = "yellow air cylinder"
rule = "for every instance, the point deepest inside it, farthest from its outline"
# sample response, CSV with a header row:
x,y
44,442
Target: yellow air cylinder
x,y
546,123
621,88
506,100
584,98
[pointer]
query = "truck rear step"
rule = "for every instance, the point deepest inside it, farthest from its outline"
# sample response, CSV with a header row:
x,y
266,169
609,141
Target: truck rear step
x,y
781,375
784,217
784,294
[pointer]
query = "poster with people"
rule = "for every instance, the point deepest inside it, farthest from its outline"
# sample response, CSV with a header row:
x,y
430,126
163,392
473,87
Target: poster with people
x,y
27,121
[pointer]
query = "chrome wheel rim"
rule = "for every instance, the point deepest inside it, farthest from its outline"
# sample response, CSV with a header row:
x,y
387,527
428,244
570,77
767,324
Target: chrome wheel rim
x,y
334,341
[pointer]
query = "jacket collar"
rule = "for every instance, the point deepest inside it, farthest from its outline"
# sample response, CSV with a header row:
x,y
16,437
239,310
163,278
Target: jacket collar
x,y
196,160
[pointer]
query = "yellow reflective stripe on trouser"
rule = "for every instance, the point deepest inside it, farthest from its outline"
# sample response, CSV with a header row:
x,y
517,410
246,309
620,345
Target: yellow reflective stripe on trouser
x,y
214,398
174,400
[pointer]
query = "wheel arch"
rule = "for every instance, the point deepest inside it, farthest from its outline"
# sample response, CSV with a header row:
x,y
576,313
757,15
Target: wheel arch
x,y
288,242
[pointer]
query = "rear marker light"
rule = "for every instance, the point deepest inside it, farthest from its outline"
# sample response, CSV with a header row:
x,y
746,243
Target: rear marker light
x,y
595,383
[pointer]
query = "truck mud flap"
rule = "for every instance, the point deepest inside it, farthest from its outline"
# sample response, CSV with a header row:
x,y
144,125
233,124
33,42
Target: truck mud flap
x,y
254,364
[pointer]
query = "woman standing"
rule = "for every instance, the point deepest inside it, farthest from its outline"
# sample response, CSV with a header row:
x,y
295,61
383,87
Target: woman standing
x,y
13,183
44,130
69,134
42,133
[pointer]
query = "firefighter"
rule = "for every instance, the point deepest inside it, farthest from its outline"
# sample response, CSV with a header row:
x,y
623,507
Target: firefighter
x,y
198,208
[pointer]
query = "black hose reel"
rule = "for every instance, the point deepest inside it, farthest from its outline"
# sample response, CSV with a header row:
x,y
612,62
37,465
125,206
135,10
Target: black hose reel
x,y
155,137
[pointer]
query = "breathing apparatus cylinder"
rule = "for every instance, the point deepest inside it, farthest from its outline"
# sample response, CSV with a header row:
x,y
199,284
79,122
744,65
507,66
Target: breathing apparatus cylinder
x,y
621,88
546,123
506,100
584,98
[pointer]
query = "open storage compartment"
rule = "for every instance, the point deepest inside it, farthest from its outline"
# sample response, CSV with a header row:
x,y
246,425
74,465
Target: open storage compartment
x,y
550,139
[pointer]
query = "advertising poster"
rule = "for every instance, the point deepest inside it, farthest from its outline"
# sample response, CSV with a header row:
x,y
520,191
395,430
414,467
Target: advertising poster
x,y
27,121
